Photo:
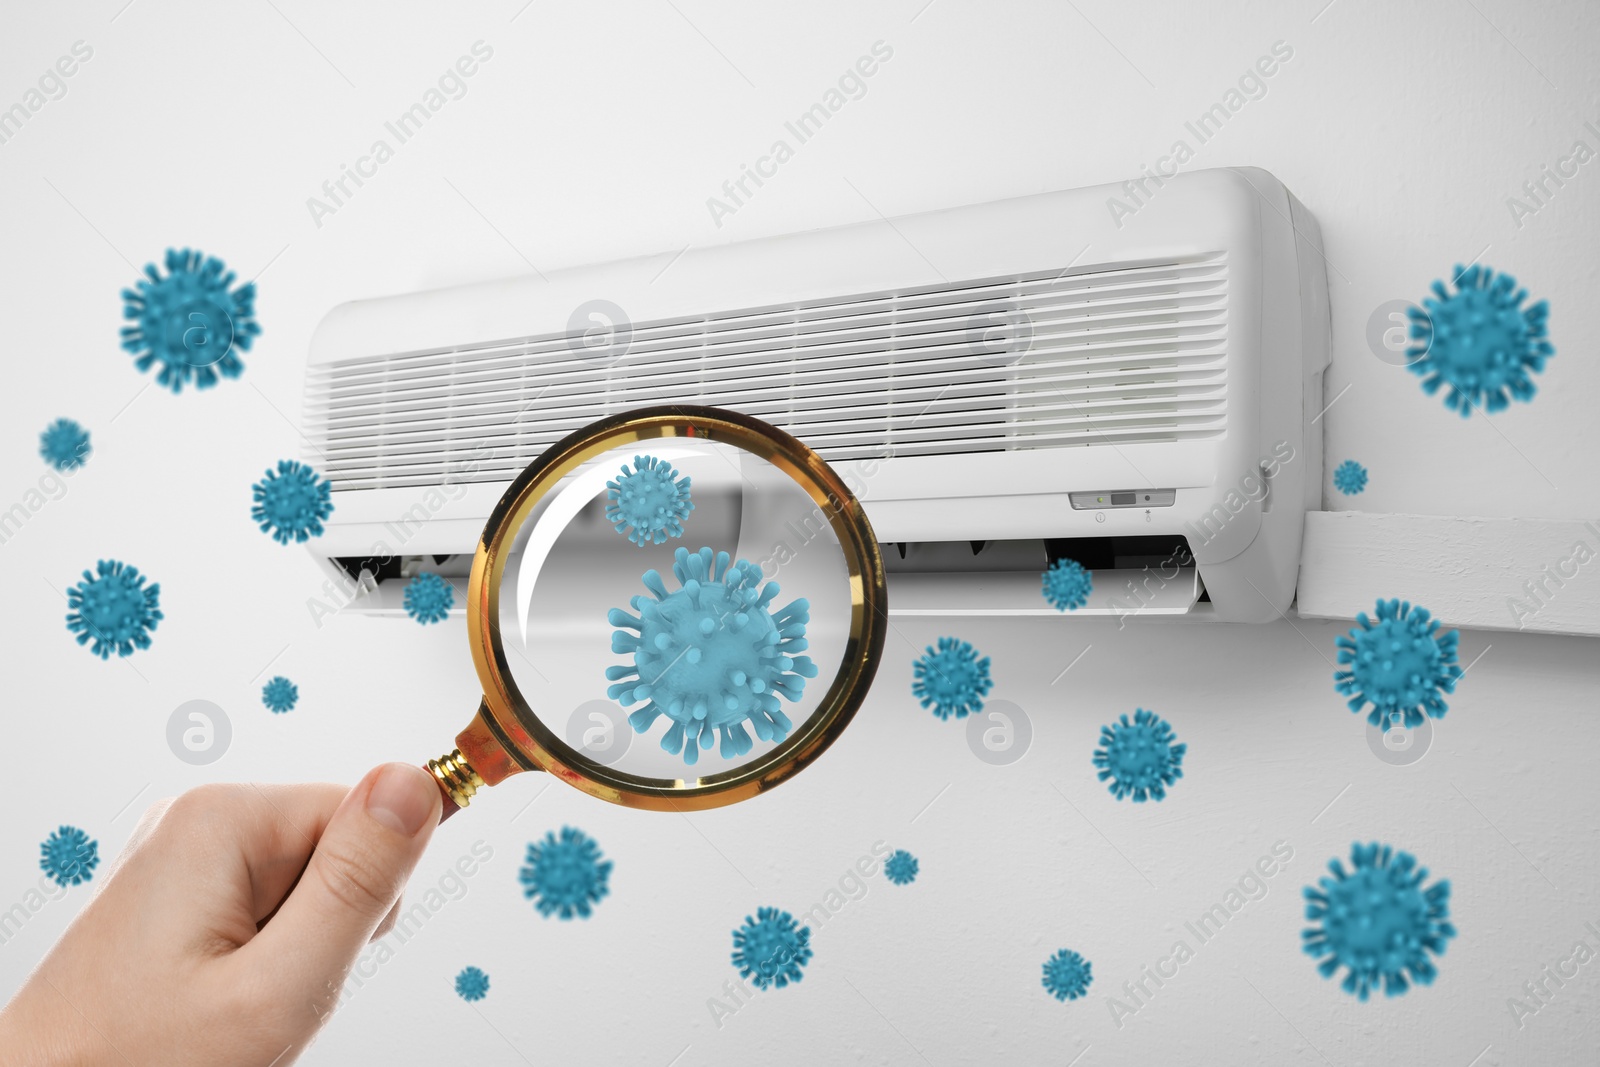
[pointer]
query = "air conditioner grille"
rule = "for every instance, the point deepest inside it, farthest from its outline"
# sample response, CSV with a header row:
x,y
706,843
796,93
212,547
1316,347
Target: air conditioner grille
x,y
1114,354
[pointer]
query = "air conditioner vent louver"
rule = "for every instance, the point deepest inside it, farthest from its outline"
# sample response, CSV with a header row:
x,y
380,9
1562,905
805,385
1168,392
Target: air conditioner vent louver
x,y
1115,354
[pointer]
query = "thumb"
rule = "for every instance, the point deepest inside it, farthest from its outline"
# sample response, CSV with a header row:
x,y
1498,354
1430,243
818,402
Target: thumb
x,y
360,865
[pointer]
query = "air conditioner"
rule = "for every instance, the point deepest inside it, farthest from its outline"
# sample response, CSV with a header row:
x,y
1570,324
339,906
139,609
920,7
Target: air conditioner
x,y
1126,375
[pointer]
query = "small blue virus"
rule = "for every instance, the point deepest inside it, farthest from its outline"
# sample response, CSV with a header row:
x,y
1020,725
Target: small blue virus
x,y
280,695
1350,477
64,445
1067,584
1067,975
1139,757
1479,341
1400,664
711,656
472,984
566,875
428,598
1378,921
648,500
189,321
901,867
69,856
771,948
114,608
953,680
291,503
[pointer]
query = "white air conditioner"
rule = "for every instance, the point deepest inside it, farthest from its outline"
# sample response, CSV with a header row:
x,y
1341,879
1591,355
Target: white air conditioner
x,y
1009,382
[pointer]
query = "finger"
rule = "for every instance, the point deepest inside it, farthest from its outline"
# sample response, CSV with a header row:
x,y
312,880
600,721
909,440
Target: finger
x,y
354,878
285,824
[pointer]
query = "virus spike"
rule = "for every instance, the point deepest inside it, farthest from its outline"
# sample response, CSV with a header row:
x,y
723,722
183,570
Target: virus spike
x,y
291,503
64,445
1139,758
280,695
1400,665
1350,477
69,856
1479,341
114,609
429,598
1378,921
1066,584
566,876
189,320
952,680
710,657
1067,975
771,948
901,867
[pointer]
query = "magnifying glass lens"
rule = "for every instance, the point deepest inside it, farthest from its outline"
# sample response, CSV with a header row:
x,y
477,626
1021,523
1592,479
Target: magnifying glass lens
x,y
674,608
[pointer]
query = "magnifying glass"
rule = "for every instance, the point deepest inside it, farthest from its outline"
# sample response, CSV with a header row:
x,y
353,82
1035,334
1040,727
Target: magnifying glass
x,y
674,608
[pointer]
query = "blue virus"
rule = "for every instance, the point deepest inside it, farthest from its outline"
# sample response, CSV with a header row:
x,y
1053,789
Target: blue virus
x,y
64,445
771,948
69,856
1139,757
472,984
114,608
648,500
901,867
189,321
291,503
1479,341
952,680
566,876
1400,664
1350,477
428,598
711,656
280,695
1378,921
1067,584
1067,975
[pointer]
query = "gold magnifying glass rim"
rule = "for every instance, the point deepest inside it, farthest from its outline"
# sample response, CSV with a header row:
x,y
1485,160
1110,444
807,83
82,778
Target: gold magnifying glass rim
x,y
532,746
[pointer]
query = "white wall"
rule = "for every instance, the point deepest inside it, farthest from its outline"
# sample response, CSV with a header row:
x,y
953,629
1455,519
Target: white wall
x,y
594,134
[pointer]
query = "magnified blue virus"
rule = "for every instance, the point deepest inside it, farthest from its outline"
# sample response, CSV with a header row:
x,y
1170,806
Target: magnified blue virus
x,y
651,499
901,867
1479,340
1067,975
280,695
566,875
1350,477
69,856
1378,921
291,503
114,608
64,445
711,656
1067,584
952,680
189,321
1399,664
771,948
429,598
472,984
1139,757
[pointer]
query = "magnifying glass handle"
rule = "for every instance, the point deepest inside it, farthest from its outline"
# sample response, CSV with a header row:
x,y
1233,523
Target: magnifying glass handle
x,y
450,806
456,779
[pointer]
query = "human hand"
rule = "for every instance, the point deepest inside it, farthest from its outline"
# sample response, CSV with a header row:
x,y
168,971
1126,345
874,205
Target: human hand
x,y
226,927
